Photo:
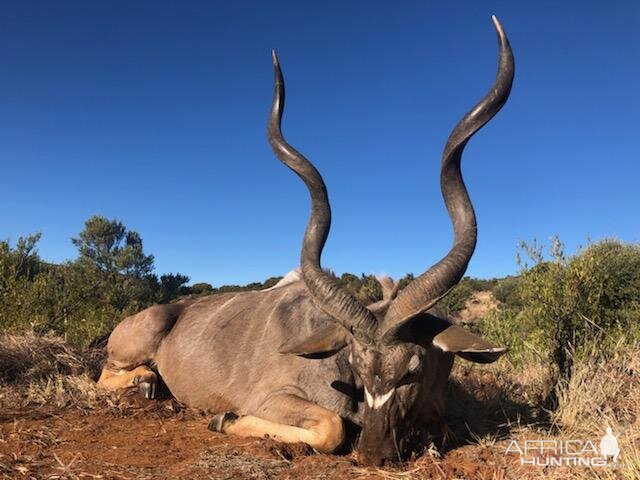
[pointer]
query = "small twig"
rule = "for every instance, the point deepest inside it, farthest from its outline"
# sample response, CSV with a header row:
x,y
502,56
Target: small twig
x,y
65,468
437,465
282,456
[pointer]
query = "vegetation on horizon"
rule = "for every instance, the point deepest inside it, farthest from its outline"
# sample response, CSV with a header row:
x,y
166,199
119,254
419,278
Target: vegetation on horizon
x,y
555,308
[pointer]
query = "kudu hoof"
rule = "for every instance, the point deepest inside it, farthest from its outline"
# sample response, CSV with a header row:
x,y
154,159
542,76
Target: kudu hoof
x,y
222,420
148,390
146,386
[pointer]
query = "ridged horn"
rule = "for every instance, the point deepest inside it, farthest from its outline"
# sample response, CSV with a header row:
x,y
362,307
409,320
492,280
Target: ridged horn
x,y
328,295
432,285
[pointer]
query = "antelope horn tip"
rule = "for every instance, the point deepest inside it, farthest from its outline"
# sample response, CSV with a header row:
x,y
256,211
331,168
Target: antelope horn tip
x,y
498,26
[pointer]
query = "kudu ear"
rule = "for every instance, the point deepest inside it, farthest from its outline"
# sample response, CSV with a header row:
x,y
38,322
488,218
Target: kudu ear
x,y
466,345
321,344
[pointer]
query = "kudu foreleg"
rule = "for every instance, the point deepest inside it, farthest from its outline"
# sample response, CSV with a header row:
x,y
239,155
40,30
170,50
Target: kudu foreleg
x,y
287,418
141,377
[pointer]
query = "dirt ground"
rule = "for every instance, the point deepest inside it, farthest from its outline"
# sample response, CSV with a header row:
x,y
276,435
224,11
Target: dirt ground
x,y
160,440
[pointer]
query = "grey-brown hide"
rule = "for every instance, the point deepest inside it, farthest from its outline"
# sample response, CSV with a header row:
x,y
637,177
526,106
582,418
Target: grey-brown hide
x,y
223,349
226,346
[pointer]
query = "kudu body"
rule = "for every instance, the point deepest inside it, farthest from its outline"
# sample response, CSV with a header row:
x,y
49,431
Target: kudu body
x,y
295,360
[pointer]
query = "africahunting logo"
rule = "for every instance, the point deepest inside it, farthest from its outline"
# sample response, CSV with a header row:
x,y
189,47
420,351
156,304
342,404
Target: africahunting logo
x,y
559,453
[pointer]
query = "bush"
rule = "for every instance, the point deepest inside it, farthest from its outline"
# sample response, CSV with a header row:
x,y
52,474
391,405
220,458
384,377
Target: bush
x,y
563,307
201,288
506,291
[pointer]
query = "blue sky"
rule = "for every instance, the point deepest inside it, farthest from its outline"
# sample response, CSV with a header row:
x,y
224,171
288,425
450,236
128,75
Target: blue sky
x,y
155,113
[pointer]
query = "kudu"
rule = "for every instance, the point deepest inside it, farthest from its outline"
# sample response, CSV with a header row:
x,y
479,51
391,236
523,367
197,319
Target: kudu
x,y
292,361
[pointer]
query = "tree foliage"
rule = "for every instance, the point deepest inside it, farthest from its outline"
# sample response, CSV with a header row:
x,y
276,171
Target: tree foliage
x,y
365,287
110,247
111,278
577,298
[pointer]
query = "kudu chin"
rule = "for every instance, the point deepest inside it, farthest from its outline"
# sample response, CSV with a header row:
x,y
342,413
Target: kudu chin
x,y
297,360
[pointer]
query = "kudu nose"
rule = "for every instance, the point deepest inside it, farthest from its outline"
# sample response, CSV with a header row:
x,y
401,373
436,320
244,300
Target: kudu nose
x,y
376,455
369,460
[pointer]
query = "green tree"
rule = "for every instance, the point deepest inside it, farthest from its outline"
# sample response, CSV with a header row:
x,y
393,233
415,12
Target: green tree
x,y
406,280
110,247
172,285
19,267
111,278
506,291
455,300
21,261
112,261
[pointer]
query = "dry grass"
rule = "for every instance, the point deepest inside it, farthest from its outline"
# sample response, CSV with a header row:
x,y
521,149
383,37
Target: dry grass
x,y
28,357
604,391
39,370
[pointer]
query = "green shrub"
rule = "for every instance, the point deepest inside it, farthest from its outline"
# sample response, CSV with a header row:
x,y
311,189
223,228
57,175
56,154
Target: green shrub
x,y
561,307
506,291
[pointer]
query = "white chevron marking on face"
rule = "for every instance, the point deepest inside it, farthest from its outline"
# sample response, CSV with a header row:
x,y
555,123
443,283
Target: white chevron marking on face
x,y
379,400
369,398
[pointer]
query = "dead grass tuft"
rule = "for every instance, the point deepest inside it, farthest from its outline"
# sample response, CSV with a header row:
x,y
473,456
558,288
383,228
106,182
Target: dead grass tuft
x,y
39,370
28,357
604,390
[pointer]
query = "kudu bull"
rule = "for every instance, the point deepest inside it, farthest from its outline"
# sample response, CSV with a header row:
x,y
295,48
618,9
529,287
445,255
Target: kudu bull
x,y
289,361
